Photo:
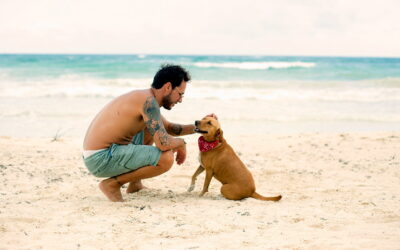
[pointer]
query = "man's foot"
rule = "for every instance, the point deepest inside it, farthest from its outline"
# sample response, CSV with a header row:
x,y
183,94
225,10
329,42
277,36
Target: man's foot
x,y
112,189
135,186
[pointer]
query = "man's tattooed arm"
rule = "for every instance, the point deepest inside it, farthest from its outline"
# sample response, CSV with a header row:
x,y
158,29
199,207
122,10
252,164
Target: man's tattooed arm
x,y
178,129
155,125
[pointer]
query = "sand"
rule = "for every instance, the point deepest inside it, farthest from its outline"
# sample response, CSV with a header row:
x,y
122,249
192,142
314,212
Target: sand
x,y
340,191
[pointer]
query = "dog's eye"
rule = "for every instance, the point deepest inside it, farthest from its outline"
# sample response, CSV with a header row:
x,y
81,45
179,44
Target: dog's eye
x,y
209,123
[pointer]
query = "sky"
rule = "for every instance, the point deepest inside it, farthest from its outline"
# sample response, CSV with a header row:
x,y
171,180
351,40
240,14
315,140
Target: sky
x,y
220,27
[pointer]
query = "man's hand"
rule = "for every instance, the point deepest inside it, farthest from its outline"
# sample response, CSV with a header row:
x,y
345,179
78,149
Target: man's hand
x,y
212,115
180,154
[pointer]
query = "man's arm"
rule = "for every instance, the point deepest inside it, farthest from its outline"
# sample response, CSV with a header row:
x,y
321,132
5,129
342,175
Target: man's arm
x,y
154,123
178,129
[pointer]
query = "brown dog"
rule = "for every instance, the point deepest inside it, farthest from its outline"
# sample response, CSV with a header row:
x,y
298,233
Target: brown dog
x,y
220,161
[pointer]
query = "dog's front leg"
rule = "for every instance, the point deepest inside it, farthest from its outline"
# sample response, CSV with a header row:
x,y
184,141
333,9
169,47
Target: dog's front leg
x,y
199,170
207,180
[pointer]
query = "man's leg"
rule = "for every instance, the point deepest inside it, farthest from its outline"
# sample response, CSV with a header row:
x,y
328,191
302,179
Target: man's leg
x,y
111,187
137,186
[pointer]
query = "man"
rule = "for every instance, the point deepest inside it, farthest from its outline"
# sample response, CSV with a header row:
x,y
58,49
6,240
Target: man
x,y
117,143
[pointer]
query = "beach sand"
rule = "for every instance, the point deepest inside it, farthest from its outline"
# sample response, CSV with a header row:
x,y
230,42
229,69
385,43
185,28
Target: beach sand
x,y
340,191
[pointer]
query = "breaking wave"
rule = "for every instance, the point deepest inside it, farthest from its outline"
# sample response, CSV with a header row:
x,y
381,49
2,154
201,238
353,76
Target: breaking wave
x,y
255,65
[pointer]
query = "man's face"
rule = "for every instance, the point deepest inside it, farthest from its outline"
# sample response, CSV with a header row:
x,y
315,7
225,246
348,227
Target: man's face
x,y
175,96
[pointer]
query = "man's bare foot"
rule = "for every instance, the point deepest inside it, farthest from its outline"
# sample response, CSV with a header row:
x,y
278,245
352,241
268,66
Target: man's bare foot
x,y
135,186
112,189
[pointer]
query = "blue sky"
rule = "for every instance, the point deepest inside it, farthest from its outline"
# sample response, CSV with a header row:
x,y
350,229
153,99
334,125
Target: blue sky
x,y
287,27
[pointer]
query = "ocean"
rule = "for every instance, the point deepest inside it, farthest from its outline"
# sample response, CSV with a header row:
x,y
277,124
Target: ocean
x,y
58,95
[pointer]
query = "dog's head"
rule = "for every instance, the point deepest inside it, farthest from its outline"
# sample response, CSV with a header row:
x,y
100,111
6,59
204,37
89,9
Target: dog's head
x,y
210,128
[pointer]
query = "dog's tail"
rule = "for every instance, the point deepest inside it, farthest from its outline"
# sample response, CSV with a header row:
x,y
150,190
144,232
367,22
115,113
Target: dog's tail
x,y
260,197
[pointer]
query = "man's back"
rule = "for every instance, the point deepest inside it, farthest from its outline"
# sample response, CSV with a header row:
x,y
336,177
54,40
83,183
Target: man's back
x,y
117,122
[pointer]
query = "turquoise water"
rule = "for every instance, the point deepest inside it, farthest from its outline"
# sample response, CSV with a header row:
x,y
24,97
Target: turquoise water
x,y
42,94
247,68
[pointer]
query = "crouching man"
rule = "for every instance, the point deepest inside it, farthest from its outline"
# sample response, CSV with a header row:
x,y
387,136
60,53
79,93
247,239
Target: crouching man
x,y
118,142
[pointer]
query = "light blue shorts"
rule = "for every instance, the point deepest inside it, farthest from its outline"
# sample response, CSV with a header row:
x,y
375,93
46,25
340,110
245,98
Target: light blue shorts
x,y
120,159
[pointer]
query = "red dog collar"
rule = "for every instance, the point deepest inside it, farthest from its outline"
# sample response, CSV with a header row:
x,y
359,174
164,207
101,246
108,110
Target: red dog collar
x,y
205,146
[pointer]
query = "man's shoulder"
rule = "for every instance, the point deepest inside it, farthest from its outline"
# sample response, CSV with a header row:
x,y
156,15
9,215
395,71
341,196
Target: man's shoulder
x,y
138,96
136,100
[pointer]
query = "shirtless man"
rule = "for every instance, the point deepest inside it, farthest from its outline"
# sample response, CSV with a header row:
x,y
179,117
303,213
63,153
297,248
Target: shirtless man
x,y
118,141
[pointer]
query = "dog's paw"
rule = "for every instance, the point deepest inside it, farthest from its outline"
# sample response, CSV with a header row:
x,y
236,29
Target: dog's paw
x,y
190,189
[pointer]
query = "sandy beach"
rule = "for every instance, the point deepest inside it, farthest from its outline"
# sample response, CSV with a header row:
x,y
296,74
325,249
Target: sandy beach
x,y
340,191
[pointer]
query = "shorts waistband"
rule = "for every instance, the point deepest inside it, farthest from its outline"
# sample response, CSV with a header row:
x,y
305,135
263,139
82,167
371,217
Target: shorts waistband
x,y
88,153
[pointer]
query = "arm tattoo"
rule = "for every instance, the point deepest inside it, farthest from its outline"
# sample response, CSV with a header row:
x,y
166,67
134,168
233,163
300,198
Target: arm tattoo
x,y
153,120
163,135
176,129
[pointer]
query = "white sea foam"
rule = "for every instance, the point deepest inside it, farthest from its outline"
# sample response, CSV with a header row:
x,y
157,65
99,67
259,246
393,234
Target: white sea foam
x,y
69,103
71,86
370,95
255,65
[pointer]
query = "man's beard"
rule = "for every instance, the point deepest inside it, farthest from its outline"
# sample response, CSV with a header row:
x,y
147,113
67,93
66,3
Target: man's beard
x,y
166,102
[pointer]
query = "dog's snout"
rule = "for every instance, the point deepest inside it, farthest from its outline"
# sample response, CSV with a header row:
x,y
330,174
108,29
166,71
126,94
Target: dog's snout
x,y
196,123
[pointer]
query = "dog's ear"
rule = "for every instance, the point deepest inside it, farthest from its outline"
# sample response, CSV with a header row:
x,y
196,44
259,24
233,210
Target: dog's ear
x,y
219,135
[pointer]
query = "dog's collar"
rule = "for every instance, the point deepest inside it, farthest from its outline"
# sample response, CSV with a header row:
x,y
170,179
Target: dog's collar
x,y
205,146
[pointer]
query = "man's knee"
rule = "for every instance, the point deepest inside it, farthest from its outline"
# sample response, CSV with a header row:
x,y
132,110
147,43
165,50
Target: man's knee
x,y
166,160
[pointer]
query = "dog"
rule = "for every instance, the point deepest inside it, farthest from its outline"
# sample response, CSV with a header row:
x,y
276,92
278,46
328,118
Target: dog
x,y
219,160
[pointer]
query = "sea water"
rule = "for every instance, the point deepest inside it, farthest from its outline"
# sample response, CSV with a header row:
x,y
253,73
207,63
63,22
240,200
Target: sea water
x,y
46,95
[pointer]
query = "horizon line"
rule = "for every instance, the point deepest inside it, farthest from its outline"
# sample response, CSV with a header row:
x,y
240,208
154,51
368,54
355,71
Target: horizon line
x,y
187,54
